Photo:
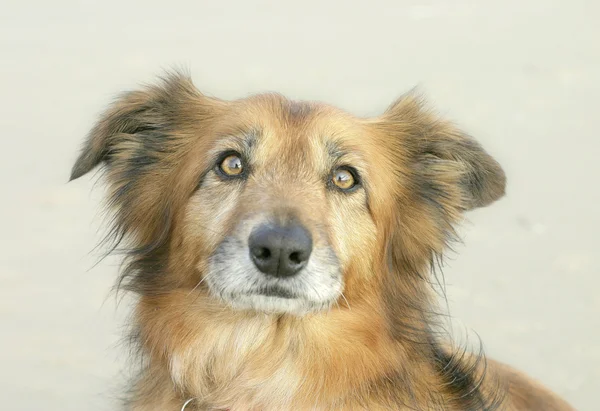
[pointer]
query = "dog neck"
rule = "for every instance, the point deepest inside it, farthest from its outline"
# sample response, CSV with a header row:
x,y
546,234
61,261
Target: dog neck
x,y
246,360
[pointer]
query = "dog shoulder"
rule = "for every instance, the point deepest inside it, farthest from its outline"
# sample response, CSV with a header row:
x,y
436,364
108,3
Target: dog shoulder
x,y
523,392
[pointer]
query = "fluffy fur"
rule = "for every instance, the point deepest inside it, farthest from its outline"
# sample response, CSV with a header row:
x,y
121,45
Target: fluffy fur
x,y
360,330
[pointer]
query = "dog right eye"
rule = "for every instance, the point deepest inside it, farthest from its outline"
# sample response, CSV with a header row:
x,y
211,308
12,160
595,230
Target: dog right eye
x,y
231,165
345,178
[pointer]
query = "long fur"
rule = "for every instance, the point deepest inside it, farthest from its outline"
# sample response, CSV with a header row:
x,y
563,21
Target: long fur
x,y
379,345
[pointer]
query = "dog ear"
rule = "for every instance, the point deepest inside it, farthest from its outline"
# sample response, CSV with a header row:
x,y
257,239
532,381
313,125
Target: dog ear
x,y
140,141
134,113
125,116
445,158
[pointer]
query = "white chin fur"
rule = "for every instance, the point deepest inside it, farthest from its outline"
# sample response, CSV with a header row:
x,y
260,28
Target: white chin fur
x,y
275,305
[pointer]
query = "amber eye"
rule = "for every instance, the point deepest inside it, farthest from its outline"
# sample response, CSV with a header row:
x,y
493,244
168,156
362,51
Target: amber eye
x,y
232,165
344,179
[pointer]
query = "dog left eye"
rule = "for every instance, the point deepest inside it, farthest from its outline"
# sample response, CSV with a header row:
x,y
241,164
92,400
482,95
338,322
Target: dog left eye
x,y
232,165
344,178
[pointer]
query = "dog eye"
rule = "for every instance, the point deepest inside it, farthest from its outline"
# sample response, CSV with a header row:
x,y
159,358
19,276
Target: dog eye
x,y
344,178
232,165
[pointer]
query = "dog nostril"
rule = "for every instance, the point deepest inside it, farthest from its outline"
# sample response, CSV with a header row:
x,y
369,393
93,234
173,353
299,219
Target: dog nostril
x,y
295,257
262,252
265,253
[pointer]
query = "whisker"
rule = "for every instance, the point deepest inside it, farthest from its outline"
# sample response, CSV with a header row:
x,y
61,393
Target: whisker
x,y
345,299
197,285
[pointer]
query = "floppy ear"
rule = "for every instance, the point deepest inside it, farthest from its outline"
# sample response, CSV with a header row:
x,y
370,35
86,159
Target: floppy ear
x,y
444,158
145,113
127,116
140,141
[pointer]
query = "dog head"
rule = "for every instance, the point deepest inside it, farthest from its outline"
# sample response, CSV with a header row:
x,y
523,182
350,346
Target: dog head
x,y
280,206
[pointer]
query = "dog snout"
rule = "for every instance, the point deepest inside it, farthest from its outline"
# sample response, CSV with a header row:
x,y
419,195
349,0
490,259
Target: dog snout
x,y
280,251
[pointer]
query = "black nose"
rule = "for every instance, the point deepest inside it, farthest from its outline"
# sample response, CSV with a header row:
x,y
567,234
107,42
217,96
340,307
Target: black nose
x,y
280,251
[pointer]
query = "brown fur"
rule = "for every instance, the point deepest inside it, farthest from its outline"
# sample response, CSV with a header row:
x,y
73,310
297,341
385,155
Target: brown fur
x,y
378,347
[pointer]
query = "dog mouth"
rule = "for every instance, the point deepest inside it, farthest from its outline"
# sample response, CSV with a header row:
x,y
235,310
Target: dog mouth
x,y
277,299
276,291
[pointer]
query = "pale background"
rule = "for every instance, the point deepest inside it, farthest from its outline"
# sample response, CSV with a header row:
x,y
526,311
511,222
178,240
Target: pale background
x,y
522,76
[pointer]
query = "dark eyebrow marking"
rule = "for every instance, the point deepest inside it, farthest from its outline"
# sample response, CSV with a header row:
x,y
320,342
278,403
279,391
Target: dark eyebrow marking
x,y
242,139
251,138
334,150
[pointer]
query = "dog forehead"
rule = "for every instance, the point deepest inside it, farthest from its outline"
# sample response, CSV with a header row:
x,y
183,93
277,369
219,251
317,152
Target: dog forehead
x,y
300,133
285,148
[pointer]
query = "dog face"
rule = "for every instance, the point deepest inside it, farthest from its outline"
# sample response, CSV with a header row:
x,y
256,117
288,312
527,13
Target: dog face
x,y
279,206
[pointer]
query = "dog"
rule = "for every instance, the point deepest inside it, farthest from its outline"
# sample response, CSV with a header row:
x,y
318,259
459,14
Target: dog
x,y
282,253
